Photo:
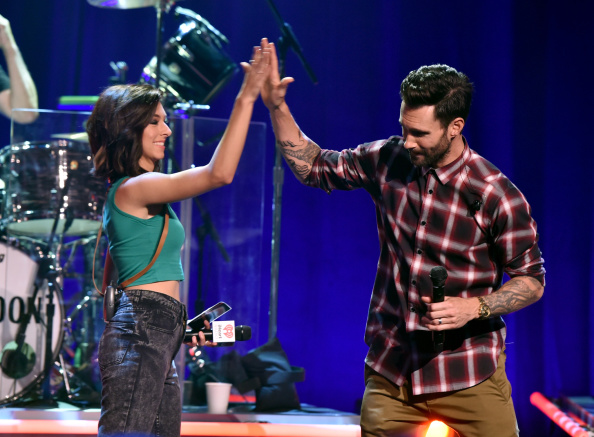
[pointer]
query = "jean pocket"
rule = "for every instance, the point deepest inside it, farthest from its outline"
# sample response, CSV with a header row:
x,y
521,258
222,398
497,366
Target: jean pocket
x,y
164,321
114,345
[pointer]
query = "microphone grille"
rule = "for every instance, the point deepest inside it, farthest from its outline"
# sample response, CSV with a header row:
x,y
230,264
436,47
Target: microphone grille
x,y
243,333
438,276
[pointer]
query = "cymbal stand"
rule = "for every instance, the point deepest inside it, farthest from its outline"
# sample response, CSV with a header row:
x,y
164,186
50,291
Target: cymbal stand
x,y
52,277
285,42
162,6
51,271
158,51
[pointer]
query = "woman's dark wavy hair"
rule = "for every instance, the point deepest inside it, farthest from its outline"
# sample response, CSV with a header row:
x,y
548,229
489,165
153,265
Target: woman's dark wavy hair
x,y
440,85
115,129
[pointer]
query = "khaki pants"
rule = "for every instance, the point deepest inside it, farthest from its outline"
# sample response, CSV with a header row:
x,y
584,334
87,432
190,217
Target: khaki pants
x,y
481,411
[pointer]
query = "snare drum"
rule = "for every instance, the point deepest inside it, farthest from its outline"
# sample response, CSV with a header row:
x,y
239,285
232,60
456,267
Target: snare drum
x,y
23,321
194,67
45,180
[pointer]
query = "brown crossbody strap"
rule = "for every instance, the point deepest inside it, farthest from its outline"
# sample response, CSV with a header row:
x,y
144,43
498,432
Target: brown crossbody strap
x,y
94,255
146,269
155,256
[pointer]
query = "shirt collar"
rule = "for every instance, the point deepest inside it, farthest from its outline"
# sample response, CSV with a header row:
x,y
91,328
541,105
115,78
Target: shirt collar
x,y
445,174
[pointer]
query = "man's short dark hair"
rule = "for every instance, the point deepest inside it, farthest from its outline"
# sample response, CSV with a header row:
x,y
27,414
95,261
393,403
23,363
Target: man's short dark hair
x,y
441,86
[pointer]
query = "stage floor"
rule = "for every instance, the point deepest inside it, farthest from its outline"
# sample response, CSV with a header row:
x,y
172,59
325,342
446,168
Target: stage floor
x,y
71,421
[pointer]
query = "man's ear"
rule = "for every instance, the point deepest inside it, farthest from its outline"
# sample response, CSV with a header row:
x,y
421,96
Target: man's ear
x,y
455,127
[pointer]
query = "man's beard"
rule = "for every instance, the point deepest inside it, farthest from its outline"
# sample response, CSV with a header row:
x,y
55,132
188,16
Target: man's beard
x,y
432,157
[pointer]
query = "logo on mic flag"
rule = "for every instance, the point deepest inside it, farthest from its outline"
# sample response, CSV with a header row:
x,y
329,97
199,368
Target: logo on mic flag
x,y
228,331
223,331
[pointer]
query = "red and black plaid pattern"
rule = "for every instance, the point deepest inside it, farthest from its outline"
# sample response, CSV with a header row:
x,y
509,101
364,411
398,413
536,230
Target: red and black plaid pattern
x,y
467,217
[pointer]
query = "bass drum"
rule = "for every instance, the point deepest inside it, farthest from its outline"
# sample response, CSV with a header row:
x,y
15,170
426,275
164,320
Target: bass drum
x,y
194,67
42,180
23,323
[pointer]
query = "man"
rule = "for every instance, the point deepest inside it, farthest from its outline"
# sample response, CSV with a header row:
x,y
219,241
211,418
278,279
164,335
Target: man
x,y
17,89
438,203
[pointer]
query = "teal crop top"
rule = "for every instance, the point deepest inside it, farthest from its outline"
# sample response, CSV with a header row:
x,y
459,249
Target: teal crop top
x,y
133,242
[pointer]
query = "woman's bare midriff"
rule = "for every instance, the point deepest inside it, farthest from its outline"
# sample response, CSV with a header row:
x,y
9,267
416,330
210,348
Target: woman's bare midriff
x,y
170,288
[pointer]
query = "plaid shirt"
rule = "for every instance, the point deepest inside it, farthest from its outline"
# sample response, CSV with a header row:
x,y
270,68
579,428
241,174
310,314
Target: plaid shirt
x,y
425,218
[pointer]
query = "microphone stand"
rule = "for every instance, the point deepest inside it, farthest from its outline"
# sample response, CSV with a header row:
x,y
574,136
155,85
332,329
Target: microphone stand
x,y
286,41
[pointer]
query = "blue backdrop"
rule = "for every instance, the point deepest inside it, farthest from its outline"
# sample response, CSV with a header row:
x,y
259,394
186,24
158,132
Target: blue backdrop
x,y
531,63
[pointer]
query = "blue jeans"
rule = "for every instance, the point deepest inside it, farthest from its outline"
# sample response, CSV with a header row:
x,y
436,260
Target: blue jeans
x,y
141,391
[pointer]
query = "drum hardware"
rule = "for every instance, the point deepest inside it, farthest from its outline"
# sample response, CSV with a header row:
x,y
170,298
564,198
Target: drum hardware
x,y
76,390
191,68
50,309
83,328
19,360
120,69
73,136
35,373
194,66
218,38
51,274
73,245
160,7
188,109
129,4
48,194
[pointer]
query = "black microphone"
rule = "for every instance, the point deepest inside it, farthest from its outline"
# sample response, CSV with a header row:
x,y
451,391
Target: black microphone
x,y
438,277
242,333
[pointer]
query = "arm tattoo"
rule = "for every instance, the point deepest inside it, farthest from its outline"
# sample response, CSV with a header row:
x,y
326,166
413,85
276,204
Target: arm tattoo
x,y
301,170
517,293
300,156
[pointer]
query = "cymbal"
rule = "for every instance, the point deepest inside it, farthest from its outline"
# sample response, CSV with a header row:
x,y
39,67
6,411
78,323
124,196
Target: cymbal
x,y
124,4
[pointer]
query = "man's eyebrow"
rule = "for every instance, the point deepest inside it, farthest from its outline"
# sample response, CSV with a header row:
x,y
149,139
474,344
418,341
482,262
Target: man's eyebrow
x,y
413,130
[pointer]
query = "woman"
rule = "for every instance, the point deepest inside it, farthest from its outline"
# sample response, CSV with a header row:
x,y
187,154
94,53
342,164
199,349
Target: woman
x,y
127,134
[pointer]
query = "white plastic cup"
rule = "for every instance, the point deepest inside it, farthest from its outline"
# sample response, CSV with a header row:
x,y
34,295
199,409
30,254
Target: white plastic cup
x,y
217,397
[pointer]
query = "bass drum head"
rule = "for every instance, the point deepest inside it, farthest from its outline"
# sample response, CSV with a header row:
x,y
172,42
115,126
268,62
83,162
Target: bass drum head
x,y
23,323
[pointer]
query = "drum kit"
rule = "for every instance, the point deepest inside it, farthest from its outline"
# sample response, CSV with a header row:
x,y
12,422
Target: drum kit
x,y
50,205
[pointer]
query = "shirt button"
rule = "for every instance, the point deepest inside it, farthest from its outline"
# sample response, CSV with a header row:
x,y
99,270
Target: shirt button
x,y
430,191
419,251
414,282
423,223
412,309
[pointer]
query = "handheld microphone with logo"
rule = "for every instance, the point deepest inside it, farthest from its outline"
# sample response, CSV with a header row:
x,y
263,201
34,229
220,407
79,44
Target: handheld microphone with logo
x,y
438,277
224,333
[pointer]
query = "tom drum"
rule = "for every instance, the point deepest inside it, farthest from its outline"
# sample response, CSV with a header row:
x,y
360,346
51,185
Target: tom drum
x,y
42,181
194,67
